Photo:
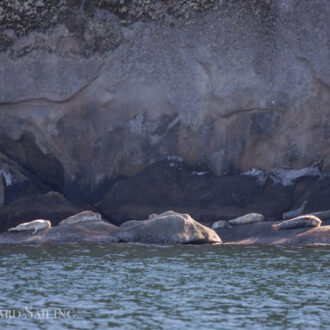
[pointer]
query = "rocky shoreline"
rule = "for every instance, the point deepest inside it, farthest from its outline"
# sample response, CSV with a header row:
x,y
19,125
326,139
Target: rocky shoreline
x,y
167,228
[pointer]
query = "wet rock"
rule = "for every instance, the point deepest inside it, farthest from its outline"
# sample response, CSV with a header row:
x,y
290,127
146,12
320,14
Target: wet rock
x,y
17,182
317,194
52,206
95,232
296,212
174,184
167,228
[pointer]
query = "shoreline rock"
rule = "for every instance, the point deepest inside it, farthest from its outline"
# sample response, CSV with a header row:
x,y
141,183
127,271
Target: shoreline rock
x,y
167,228
170,228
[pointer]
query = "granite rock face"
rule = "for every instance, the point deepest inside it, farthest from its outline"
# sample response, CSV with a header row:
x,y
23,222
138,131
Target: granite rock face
x,y
244,85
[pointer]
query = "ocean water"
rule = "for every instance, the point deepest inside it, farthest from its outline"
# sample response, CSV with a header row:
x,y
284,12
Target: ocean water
x,y
164,287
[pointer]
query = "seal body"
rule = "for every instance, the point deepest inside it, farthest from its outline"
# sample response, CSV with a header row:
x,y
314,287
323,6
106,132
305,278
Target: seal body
x,y
248,218
295,213
152,215
299,222
81,217
221,224
33,225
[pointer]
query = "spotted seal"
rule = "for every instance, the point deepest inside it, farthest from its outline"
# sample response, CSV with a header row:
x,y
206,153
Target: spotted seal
x,y
299,222
248,218
33,225
84,216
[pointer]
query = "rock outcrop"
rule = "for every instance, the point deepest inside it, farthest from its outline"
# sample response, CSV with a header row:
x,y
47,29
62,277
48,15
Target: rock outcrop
x,y
167,228
52,206
262,233
96,103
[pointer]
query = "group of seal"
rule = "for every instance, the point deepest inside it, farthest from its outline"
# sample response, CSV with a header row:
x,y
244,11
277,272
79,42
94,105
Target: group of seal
x,y
33,225
39,224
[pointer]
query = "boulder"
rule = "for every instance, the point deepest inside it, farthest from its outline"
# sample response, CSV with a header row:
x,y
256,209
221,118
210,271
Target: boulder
x,y
93,232
167,228
247,219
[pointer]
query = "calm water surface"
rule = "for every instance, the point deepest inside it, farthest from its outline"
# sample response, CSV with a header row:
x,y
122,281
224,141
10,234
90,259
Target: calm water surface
x,y
164,287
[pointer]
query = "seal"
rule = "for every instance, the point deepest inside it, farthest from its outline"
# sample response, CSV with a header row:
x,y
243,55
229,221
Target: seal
x,y
35,224
84,216
153,215
221,224
299,222
248,218
295,213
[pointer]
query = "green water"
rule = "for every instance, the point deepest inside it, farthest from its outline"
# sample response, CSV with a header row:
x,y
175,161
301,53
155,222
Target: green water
x,y
164,287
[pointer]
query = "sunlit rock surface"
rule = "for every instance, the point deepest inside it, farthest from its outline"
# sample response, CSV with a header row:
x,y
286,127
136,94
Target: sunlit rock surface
x,y
167,228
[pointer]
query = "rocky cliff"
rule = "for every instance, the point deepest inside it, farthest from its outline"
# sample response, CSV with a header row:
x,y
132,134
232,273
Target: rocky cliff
x,y
135,106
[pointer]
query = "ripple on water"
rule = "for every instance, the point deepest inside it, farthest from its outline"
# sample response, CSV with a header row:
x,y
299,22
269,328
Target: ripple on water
x,y
143,286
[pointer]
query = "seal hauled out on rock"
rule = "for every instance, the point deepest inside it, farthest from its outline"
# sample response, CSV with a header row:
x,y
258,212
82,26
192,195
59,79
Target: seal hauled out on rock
x,y
299,222
81,217
295,213
221,224
35,224
248,218
152,215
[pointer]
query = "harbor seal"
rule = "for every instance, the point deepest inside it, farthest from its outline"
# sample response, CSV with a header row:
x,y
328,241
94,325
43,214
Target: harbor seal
x,y
299,222
295,213
221,224
248,218
35,224
81,217
152,215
